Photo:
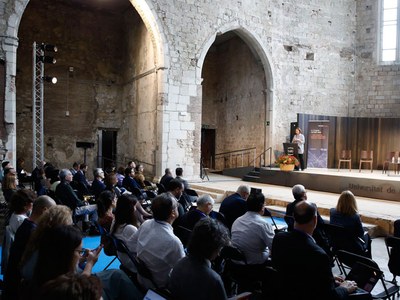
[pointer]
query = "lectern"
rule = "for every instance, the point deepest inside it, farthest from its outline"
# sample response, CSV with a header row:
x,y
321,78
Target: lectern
x,y
291,149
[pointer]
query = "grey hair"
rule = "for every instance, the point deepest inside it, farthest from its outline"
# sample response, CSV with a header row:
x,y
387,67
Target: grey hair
x,y
244,188
43,201
97,171
204,200
298,190
63,174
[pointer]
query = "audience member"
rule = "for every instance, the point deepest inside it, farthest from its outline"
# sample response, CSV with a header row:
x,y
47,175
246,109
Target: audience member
x,y
179,174
58,215
251,233
304,267
175,189
299,193
129,182
9,186
54,181
98,185
12,276
157,246
234,206
131,164
346,215
75,168
83,185
139,176
106,203
120,176
166,178
4,165
111,183
72,286
20,205
125,227
39,178
192,277
204,207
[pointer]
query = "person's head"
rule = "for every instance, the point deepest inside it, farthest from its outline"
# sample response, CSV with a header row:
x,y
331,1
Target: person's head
x,y
10,181
207,239
347,203
106,200
179,172
5,164
65,175
83,167
165,208
256,202
129,172
41,204
75,166
121,170
131,164
125,211
298,130
244,191
22,201
20,162
168,171
205,203
59,251
175,187
58,215
111,180
305,216
72,286
54,175
299,192
98,173
139,168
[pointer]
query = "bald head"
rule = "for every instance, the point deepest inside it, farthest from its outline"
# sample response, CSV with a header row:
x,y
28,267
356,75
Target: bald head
x,y
305,217
40,205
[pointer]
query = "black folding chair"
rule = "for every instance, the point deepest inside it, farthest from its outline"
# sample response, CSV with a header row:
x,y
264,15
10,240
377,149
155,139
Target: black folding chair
x,y
160,188
393,250
347,260
267,213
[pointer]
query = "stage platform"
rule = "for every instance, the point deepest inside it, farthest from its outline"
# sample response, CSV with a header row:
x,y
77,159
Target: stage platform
x,y
374,211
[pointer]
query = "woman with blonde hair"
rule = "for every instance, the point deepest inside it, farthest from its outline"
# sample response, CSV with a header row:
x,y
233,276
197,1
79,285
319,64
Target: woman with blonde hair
x,y
346,215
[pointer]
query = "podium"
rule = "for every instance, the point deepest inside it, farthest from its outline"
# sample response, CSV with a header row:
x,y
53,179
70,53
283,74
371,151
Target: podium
x,y
291,149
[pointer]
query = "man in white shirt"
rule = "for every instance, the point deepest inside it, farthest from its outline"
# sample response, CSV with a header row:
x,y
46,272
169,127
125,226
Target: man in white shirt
x,y
157,246
251,233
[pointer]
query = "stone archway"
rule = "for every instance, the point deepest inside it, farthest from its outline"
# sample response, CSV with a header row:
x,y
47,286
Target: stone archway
x,y
161,63
242,108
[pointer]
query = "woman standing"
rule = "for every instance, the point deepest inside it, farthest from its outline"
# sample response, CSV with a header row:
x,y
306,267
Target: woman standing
x,y
299,139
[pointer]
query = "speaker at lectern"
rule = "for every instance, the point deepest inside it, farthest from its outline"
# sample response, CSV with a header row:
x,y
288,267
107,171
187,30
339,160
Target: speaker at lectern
x,y
290,149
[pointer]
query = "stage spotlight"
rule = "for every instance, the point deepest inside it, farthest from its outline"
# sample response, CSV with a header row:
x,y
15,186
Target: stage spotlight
x,y
50,48
51,79
47,59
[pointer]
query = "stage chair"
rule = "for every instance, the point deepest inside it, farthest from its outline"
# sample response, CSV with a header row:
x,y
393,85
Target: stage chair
x,y
389,156
366,157
345,156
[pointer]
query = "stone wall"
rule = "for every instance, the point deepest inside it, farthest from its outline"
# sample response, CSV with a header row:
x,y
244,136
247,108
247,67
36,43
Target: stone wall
x,y
377,92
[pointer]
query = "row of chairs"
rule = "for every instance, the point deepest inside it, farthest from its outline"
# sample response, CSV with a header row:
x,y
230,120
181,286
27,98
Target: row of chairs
x,y
365,157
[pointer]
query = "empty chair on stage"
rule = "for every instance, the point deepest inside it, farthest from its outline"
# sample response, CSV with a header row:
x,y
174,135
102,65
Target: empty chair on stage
x,y
391,157
366,157
345,156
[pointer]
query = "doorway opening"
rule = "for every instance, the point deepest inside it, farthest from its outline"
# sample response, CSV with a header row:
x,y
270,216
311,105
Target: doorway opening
x,y
207,148
107,150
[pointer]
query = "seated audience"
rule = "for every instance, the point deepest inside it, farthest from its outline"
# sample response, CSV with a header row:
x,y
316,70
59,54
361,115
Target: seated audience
x,y
139,176
120,176
72,286
12,276
166,178
157,246
204,207
129,182
303,266
175,189
4,166
192,277
125,227
75,168
98,185
54,181
20,205
299,193
106,203
234,206
9,186
179,174
346,215
251,233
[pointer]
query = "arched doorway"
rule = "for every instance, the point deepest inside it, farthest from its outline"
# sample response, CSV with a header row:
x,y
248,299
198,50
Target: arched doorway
x,y
237,102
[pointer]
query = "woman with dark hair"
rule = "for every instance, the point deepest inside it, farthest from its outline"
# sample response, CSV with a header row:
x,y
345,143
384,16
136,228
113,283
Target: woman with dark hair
x,y
9,186
300,140
106,202
111,182
125,226
192,277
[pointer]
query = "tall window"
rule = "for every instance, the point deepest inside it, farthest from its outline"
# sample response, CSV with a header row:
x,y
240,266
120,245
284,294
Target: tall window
x,y
389,44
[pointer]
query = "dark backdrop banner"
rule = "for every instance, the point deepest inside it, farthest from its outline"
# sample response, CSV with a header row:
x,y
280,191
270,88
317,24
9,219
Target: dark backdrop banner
x,y
318,138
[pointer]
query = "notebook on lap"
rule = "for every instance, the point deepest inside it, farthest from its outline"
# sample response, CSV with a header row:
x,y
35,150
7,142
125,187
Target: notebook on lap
x,y
365,276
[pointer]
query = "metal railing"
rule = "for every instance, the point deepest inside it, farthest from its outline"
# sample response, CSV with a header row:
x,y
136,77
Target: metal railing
x,y
262,158
235,158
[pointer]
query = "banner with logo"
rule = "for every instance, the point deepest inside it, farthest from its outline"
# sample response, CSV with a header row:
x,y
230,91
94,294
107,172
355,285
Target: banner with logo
x,y
318,137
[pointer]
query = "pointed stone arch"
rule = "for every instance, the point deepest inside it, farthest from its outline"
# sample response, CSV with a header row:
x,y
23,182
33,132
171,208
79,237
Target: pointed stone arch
x,y
257,47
